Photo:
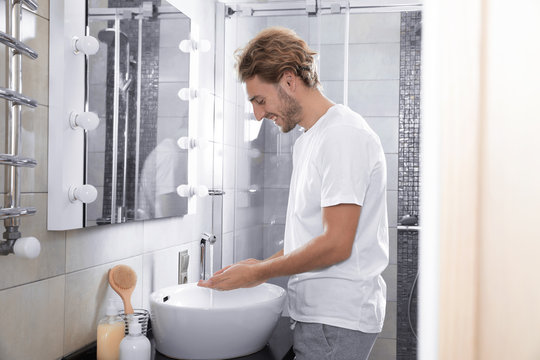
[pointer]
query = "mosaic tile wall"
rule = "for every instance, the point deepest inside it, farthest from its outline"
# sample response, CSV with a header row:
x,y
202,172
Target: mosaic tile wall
x,y
408,181
149,92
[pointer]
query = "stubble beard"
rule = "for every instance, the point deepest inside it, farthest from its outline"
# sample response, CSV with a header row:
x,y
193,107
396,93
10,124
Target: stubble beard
x,y
291,110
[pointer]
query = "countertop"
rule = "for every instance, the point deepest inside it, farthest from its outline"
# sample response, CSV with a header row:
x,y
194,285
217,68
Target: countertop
x,y
279,347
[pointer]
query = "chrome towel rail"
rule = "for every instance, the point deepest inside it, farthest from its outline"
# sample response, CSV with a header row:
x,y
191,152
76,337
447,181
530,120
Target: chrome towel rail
x,y
408,228
17,98
17,45
11,213
12,160
30,4
8,213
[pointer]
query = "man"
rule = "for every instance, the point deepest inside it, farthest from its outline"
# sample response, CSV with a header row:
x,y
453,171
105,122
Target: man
x,y
336,237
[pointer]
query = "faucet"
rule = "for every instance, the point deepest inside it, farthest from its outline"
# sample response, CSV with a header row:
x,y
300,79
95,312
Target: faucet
x,y
205,239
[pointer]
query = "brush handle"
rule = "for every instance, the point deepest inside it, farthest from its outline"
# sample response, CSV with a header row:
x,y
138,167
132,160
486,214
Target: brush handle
x,y
128,309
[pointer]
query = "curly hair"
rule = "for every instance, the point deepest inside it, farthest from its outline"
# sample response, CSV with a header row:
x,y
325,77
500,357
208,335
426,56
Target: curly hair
x,y
274,51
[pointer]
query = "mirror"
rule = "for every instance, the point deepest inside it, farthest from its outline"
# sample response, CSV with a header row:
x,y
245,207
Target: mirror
x,y
133,82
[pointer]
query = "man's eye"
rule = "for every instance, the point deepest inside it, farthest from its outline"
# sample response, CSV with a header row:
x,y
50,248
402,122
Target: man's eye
x,y
260,102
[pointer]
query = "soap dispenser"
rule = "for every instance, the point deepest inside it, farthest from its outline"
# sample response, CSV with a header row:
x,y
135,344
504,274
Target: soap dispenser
x,y
135,346
110,332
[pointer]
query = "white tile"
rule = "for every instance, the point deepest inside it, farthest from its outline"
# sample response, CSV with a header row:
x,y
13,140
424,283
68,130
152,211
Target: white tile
x,y
248,27
35,79
228,211
102,244
219,121
388,130
51,261
160,268
374,61
229,167
331,59
249,209
169,104
230,122
375,28
96,168
87,294
173,65
33,320
167,232
327,29
333,90
390,278
218,165
299,24
374,98
392,171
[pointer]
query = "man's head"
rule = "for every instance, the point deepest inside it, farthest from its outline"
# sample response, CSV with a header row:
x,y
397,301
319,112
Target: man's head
x,y
274,65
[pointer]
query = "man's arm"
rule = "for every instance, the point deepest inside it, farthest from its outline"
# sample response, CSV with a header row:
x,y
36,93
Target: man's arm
x,y
331,247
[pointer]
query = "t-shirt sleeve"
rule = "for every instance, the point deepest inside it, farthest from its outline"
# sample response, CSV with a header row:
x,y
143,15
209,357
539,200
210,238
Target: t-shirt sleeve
x,y
346,157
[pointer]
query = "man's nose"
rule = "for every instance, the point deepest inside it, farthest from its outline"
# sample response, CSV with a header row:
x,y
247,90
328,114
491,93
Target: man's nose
x,y
258,111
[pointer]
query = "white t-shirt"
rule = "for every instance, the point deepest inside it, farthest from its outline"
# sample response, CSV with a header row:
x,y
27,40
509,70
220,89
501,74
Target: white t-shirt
x,y
339,160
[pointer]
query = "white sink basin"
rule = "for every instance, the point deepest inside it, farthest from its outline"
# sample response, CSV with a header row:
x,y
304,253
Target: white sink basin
x,y
190,322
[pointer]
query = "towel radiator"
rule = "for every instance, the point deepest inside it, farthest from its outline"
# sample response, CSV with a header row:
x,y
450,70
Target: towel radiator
x,y
12,211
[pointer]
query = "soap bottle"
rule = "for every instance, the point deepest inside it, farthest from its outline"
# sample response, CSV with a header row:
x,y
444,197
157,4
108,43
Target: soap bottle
x,y
110,332
135,346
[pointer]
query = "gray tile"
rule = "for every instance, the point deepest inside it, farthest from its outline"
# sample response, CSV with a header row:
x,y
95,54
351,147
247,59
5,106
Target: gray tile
x,y
173,31
248,243
390,277
390,320
173,65
277,170
392,170
333,89
163,233
96,168
34,145
331,62
172,128
273,239
384,349
392,201
35,79
300,24
33,320
392,235
227,251
327,29
169,104
275,205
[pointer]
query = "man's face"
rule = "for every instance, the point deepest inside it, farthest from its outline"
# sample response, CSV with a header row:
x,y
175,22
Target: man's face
x,y
272,101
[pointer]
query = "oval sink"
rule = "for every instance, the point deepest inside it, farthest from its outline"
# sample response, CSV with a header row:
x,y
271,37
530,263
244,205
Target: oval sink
x,y
191,322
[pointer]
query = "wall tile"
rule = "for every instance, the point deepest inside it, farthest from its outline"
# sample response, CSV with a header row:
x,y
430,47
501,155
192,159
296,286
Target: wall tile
x,y
96,168
229,167
172,128
277,170
375,28
374,98
249,209
333,90
102,244
35,33
34,145
331,62
248,243
51,262
390,277
173,31
389,328
160,269
300,24
168,101
392,200
327,29
277,142
392,235
87,293
392,170
388,130
384,349
33,320
227,252
374,61
273,239
275,205
173,65
228,211
167,232
96,141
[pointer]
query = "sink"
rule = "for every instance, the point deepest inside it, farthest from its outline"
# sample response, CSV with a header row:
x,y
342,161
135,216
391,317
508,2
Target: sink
x,y
191,322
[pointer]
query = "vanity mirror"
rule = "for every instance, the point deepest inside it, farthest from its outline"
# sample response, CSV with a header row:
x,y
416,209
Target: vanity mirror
x,y
119,111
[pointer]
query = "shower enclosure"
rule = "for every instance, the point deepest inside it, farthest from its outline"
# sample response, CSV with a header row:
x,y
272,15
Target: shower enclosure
x,y
367,59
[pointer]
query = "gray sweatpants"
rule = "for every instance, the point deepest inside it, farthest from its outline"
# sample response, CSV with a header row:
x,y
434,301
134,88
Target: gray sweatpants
x,y
324,342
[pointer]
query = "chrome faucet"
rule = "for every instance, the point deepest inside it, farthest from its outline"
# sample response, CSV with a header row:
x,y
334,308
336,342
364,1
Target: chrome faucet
x,y
205,239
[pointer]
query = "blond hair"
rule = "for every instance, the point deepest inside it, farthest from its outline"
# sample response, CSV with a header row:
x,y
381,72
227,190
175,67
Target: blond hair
x,y
274,51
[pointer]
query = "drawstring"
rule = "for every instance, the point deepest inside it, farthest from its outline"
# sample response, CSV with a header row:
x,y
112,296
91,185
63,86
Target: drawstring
x,y
293,324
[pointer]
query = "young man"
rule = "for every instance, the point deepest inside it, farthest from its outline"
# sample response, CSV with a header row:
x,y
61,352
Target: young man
x,y
336,232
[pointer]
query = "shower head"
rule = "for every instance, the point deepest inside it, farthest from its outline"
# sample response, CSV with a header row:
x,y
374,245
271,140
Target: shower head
x,y
107,36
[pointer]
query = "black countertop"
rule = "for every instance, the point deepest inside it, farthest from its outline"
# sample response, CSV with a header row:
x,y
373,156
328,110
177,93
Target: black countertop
x,y
279,347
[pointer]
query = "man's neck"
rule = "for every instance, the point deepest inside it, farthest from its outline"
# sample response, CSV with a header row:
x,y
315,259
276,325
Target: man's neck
x,y
314,106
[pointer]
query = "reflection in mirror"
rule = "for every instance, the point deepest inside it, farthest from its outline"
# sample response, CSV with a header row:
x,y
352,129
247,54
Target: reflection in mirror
x,y
132,84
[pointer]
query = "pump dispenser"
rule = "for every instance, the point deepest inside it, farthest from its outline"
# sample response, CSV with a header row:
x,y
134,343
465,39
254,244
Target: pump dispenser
x,y
135,346
110,332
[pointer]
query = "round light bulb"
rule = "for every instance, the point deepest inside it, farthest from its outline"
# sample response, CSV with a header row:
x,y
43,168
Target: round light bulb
x,y
85,193
186,46
27,247
88,45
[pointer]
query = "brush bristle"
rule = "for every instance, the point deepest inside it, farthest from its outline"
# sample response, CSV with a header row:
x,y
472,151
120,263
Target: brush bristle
x,y
124,276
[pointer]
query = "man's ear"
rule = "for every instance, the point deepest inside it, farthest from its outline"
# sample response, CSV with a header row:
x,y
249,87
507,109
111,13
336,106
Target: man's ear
x,y
288,81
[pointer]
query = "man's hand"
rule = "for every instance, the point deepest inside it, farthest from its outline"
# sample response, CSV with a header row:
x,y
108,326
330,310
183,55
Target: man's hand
x,y
240,275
